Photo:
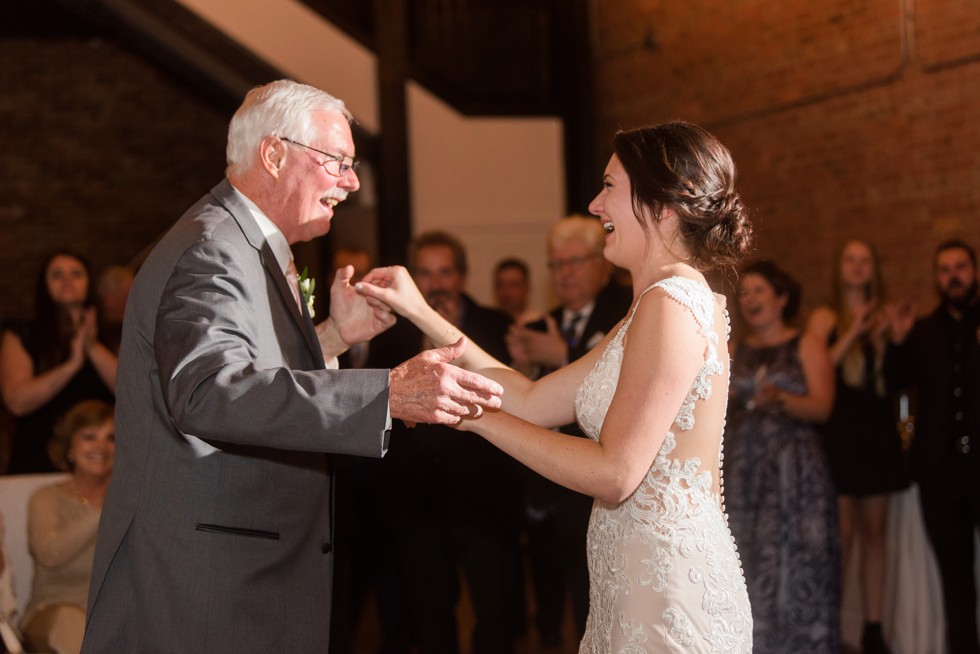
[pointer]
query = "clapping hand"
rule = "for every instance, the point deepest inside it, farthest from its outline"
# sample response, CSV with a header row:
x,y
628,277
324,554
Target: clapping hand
x,y
900,319
547,348
865,317
84,337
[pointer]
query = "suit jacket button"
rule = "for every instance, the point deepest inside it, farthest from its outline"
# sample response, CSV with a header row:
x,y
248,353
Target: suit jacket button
x,y
325,548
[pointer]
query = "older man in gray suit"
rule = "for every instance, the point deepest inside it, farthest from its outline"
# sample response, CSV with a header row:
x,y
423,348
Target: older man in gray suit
x,y
216,532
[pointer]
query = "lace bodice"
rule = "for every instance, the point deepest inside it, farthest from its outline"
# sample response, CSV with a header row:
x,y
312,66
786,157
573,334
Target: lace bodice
x,y
597,391
664,573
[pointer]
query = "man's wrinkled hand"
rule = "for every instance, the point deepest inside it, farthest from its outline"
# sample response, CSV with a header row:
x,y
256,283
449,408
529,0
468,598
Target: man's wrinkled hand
x,y
428,388
358,319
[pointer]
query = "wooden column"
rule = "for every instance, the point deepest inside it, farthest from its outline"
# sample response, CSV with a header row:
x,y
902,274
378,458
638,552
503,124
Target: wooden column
x,y
572,69
393,175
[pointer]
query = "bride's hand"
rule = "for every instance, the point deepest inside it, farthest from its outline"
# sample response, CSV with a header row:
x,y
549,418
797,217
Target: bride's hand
x,y
394,287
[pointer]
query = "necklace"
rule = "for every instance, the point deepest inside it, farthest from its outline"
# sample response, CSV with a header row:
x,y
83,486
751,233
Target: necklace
x,y
82,499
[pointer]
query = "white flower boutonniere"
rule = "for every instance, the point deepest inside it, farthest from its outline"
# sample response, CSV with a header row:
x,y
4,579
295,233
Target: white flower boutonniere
x,y
306,287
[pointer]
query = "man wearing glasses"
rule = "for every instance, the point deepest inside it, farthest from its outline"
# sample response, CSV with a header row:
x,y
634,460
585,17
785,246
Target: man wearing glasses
x,y
216,535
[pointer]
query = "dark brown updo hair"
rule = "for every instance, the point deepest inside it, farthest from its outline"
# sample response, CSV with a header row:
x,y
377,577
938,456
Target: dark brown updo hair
x,y
683,167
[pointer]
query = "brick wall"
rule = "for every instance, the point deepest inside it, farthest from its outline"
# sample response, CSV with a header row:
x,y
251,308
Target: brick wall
x,y
102,151
846,119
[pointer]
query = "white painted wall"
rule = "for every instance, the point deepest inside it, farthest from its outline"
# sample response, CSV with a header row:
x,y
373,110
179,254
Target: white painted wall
x,y
498,184
293,38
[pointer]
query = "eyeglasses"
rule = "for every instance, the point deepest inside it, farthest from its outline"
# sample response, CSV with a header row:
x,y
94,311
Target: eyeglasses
x,y
571,262
336,165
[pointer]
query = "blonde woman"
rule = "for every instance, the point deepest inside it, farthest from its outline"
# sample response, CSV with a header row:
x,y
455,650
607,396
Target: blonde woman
x,y
862,438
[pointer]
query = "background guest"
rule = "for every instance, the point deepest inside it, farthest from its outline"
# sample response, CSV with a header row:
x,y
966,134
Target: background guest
x,y
939,356
512,290
863,444
361,561
779,492
590,305
353,256
451,501
53,362
62,523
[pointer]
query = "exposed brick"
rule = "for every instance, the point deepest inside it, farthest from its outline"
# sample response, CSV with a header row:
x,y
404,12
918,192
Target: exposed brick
x,y
842,125
102,152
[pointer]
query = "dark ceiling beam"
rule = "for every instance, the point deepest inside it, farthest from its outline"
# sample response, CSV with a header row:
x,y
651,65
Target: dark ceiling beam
x,y
148,34
394,181
196,54
535,61
571,66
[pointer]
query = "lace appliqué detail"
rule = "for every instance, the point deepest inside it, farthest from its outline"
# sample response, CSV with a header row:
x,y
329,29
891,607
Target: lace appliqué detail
x,y
664,573
691,295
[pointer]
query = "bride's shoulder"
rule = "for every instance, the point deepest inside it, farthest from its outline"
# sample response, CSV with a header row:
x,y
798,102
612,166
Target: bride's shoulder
x,y
691,292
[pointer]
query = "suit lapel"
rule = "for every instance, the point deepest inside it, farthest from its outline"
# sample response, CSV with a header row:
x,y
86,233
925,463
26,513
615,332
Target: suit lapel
x,y
302,320
225,194
309,331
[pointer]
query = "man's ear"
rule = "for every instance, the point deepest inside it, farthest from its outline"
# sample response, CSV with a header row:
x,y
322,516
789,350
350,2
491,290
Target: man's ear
x,y
272,155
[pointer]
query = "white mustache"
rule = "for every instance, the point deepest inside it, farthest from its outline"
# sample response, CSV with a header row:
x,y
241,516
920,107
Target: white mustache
x,y
337,194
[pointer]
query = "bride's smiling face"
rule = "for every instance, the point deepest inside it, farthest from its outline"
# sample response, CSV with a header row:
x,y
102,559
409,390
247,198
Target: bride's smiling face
x,y
625,238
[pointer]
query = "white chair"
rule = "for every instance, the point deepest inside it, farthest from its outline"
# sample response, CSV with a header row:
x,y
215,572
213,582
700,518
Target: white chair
x,y
15,491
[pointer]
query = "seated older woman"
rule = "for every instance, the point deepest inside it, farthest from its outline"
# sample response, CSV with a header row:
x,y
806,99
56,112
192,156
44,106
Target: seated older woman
x,y
62,523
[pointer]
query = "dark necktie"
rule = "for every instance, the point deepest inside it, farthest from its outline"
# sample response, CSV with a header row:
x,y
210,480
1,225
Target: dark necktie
x,y
570,330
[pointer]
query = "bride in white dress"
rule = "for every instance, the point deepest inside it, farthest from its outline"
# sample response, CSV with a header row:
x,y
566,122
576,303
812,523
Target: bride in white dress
x,y
665,576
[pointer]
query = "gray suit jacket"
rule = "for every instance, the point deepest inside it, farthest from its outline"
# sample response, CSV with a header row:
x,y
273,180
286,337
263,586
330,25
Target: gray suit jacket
x,y
216,533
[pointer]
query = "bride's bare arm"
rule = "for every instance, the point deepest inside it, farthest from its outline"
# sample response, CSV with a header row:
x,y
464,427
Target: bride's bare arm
x,y
548,401
663,354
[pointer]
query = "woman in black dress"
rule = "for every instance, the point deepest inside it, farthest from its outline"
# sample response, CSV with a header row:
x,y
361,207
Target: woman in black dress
x,y
53,362
862,436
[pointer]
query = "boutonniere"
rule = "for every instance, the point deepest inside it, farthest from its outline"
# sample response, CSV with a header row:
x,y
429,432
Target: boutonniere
x,y
306,287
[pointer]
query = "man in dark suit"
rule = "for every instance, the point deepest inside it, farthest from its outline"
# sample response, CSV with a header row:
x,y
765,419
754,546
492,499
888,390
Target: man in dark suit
x,y
590,306
940,357
216,534
452,501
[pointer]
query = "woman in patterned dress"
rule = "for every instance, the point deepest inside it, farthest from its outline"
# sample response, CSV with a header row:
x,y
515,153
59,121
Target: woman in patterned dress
x,y
664,575
781,496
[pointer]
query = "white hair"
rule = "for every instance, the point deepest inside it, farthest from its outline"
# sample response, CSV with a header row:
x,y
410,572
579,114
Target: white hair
x,y
577,228
280,108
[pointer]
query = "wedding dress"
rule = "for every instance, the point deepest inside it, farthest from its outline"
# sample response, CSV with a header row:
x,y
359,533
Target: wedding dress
x,y
664,572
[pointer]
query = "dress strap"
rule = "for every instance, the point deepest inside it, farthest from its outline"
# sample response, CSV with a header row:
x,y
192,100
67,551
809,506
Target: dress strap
x,y
689,293
699,300
692,294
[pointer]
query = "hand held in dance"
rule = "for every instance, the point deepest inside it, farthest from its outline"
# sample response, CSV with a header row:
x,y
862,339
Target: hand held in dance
x,y
394,287
428,388
358,318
